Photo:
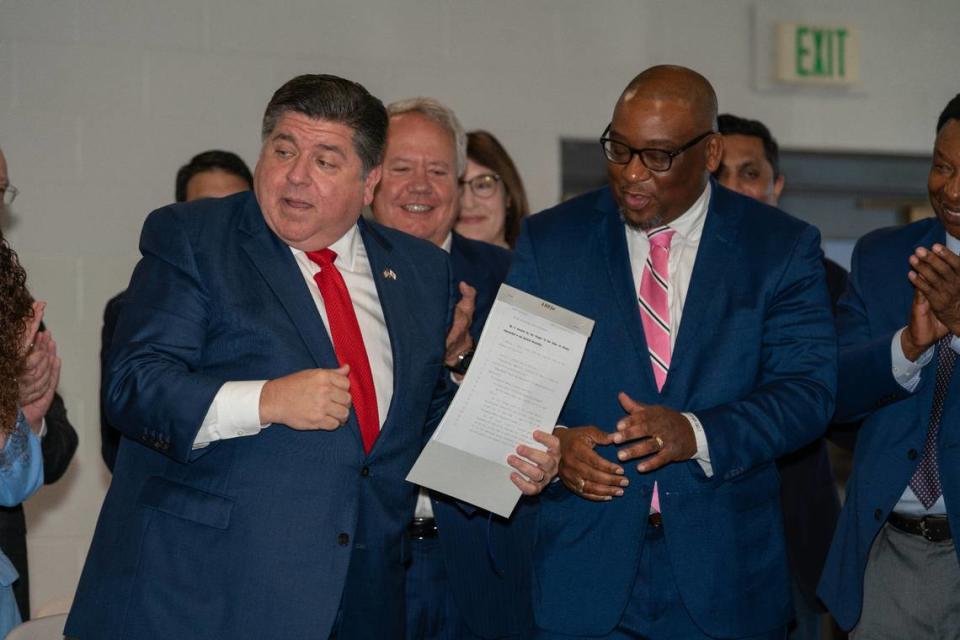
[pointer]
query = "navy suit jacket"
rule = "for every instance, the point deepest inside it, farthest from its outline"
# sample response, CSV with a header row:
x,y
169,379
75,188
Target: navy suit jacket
x,y
755,360
491,585
891,438
265,536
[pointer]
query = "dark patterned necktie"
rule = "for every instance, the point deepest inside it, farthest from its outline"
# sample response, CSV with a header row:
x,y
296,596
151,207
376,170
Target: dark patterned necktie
x,y
926,479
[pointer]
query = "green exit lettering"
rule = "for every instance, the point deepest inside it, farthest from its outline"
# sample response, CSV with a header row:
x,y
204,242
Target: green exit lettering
x,y
820,53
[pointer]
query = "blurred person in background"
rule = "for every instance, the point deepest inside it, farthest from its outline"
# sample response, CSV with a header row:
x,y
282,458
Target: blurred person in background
x,y
47,419
21,461
211,174
493,201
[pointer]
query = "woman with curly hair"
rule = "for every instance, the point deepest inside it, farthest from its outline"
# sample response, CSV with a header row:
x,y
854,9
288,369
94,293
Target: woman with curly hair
x,y
21,463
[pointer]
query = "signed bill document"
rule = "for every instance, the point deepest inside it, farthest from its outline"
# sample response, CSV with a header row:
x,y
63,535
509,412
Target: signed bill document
x,y
525,363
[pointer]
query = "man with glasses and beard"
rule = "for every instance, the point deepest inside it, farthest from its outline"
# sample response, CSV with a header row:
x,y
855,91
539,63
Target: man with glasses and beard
x,y
713,354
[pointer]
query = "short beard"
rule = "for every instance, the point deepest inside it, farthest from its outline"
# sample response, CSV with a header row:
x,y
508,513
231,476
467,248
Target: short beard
x,y
652,223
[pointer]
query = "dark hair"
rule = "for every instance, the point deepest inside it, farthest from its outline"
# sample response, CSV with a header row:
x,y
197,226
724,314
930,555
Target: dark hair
x,y
728,125
212,160
328,97
484,149
15,310
950,112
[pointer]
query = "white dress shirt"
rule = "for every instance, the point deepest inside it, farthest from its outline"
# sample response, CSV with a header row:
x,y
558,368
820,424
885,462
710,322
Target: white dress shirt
x,y
907,374
683,254
235,410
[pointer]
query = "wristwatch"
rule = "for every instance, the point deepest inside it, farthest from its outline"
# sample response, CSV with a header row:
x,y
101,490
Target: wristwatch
x,y
463,362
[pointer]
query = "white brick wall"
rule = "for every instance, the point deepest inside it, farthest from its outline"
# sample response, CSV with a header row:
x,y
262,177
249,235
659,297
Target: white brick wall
x,y
102,100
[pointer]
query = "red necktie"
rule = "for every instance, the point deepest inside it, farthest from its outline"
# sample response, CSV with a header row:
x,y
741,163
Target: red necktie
x,y
348,344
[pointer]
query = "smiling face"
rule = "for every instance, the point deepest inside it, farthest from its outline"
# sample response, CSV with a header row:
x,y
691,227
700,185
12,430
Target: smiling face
x,y
650,198
482,219
309,181
419,190
943,182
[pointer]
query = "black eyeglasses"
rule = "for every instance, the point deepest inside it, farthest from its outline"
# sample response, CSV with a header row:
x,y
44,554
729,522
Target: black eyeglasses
x,y
659,160
483,186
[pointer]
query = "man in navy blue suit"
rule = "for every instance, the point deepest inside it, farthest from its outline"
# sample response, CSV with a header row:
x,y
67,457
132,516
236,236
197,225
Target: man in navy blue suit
x,y
893,570
276,367
713,354
469,575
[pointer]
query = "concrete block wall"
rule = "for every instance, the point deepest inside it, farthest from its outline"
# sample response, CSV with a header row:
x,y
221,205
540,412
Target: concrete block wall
x,y
102,100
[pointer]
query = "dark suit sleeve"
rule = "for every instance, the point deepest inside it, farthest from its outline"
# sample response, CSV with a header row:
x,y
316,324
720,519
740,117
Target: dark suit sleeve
x,y
109,436
155,394
59,443
865,379
445,388
793,398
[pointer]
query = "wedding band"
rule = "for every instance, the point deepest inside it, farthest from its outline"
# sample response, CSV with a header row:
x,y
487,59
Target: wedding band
x,y
659,442
543,474
580,484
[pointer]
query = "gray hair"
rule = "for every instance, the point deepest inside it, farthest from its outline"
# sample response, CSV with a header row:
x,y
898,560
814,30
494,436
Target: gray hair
x,y
437,112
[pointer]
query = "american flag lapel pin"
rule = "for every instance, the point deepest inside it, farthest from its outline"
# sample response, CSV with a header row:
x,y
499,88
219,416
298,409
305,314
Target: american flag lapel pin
x,y
389,274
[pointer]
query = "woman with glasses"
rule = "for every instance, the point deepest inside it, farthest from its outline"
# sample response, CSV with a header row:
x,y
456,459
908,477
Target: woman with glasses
x,y
21,463
493,201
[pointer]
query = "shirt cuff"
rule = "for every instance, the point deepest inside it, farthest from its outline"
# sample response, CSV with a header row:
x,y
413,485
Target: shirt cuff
x,y
702,456
905,372
234,412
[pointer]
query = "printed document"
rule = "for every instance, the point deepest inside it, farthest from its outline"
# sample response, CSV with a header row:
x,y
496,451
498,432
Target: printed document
x,y
523,368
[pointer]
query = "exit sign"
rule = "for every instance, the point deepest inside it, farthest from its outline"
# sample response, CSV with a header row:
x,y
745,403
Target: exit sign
x,y
818,54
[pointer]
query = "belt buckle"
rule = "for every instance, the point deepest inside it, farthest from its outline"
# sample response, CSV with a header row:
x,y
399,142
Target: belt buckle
x,y
925,532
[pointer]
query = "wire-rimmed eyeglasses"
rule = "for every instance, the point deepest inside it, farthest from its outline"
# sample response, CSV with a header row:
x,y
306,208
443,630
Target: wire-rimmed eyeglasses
x,y
483,186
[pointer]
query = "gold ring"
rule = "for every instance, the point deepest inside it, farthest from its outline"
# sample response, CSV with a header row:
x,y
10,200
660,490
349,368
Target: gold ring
x,y
659,442
580,484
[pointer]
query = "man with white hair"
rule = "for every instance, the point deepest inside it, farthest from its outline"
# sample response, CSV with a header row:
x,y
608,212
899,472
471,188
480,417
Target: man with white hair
x,y
469,575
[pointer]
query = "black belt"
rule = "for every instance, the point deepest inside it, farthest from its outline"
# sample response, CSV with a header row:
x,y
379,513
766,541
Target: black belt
x,y
655,520
422,528
933,528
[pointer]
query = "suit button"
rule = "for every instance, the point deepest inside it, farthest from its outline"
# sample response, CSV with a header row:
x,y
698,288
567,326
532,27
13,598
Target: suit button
x,y
912,454
343,539
878,514
365,471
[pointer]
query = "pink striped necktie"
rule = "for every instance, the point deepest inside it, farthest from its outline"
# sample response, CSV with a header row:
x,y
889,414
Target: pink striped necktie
x,y
655,312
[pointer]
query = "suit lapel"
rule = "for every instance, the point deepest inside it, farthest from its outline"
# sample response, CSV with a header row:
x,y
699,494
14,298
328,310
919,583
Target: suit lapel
x,y
715,254
275,262
393,276
613,245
